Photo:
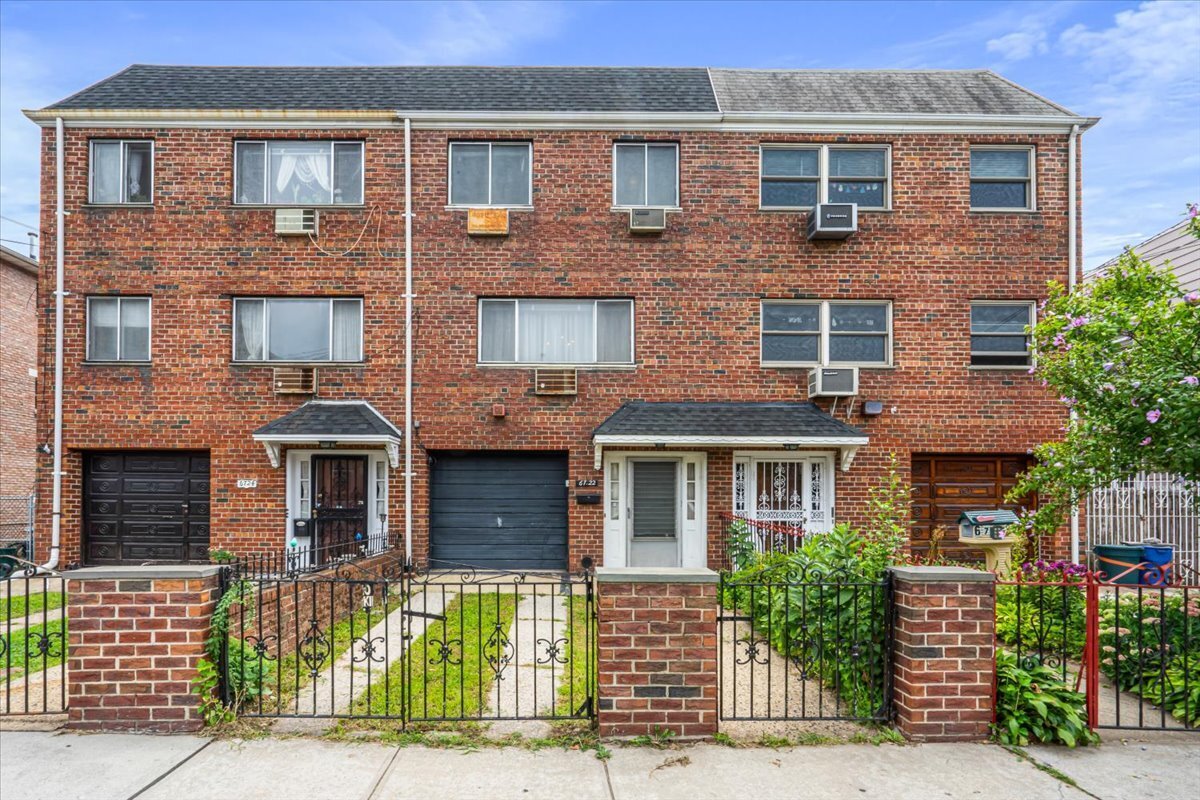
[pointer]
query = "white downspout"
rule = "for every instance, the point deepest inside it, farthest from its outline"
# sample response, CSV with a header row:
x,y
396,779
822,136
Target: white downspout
x,y
59,249
408,338
1072,257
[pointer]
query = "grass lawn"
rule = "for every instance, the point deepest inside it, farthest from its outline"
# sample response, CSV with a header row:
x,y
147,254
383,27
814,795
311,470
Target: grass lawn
x,y
22,655
456,685
576,679
15,607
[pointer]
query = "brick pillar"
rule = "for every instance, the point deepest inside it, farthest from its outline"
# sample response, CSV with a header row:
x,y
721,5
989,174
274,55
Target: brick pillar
x,y
136,637
944,661
657,651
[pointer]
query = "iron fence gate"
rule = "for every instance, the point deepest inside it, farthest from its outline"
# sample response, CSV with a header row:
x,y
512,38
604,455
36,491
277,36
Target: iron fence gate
x,y
807,645
385,642
33,640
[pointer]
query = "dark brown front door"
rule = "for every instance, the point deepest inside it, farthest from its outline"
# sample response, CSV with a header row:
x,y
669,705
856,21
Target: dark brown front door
x,y
946,485
145,506
339,505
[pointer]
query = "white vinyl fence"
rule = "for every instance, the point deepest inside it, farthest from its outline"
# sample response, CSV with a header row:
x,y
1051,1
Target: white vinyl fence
x,y
1148,506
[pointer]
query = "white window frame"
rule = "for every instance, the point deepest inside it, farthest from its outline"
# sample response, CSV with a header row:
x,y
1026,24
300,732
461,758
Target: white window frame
x,y
1031,204
595,301
124,188
646,175
266,320
823,177
1030,356
87,333
826,333
266,203
490,144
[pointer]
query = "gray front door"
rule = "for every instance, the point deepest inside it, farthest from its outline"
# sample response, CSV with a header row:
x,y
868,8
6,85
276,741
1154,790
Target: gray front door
x,y
654,513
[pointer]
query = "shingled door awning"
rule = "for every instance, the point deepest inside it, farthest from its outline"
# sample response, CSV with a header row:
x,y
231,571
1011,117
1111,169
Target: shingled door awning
x,y
745,424
341,422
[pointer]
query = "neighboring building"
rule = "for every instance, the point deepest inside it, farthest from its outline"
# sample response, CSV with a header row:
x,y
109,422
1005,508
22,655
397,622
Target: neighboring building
x,y
581,389
1175,249
18,378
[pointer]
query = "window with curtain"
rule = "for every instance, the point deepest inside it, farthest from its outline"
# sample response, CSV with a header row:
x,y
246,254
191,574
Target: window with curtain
x,y
645,175
118,329
801,176
1002,178
121,171
998,337
566,331
297,329
825,333
298,173
490,174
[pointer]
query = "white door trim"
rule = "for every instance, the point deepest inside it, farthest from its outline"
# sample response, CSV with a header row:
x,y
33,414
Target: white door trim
x,y
376,525
693,538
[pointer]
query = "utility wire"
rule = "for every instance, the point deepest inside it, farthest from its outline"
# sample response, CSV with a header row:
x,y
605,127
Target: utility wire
x,y
18,222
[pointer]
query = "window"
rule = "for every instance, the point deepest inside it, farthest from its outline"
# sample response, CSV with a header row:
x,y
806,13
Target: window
x,y
812,333
118,329
800,176
1002,178
998,337
297,329
556,331
298,173
121,171
645,175
491,174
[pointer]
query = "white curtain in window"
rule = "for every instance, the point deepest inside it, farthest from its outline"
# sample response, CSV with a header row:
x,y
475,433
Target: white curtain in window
x,y
135,329
106,172
497,340
347,329
249,322
556,332
135,158
298,168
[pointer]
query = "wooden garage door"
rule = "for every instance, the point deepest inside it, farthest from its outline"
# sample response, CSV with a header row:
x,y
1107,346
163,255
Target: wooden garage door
x,y
499,510
945,486
146,507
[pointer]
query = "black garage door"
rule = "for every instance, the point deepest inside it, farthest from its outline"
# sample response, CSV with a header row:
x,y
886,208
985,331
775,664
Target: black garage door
x,y
499,510
145,506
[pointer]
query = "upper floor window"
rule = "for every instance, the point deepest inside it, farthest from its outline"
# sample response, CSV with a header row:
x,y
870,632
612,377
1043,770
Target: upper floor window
x,y
835,333
645,175
298,173
546,331
122,171
998,337
800,176
1002,178
297,329
491,174
118,329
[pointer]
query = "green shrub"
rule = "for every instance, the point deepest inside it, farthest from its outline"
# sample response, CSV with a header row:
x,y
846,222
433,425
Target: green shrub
x,y
1035,705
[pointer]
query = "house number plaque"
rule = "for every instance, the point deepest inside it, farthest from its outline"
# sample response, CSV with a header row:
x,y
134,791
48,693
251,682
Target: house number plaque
x,y
247,483
586,482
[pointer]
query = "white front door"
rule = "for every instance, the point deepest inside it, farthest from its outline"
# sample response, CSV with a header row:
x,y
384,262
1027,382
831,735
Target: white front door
x,y
786,488
654,510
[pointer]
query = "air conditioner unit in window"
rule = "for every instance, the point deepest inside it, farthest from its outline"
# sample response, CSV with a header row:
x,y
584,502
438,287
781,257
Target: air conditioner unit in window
x,y
295,380
647,220
295,221
826,382
555,381
832,220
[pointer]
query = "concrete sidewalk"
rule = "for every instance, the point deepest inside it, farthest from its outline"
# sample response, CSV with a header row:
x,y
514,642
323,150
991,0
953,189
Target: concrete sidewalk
x,y
56,766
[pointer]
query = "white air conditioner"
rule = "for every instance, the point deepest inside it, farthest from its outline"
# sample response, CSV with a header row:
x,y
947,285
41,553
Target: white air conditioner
x,y
295,221
827,382
832,220
647,220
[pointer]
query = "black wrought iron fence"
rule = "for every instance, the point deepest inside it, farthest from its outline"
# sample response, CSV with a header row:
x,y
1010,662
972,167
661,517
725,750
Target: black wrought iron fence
x,y
33,647
297,560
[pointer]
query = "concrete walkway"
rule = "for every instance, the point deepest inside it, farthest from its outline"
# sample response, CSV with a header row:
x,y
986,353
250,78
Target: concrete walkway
x,y
529,685
50,766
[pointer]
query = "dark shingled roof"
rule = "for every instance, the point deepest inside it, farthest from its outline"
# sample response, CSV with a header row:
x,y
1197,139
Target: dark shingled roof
x,y
616,89
785,420
329,420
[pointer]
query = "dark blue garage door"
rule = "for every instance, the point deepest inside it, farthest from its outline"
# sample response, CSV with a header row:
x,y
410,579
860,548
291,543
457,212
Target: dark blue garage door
x,y
499,510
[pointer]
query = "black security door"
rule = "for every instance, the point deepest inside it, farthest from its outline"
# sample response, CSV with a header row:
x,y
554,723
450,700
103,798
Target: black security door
x,y
339,505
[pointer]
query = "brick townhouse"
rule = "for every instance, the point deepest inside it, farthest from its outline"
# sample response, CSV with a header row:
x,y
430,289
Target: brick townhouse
x,y
18,376
622,329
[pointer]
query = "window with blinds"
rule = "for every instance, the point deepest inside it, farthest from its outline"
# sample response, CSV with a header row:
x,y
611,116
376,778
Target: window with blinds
x,y
655,498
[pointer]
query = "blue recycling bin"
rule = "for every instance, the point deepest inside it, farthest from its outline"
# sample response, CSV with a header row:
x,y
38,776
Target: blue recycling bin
x,y
1156,564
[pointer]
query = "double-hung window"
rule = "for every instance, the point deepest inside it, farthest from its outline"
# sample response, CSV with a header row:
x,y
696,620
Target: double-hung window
x,y
118,329
122,171
298,173
646,175
800,176
297,329
831,333
1002,179
555,331
494,174
998,334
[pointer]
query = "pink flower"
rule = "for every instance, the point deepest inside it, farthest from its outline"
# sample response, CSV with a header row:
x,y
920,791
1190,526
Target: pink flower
x,y
1067,401
1133,402
1153,416
1059,340
1191,380
1108,387
1146,441
1192,297
1108,365
1078,322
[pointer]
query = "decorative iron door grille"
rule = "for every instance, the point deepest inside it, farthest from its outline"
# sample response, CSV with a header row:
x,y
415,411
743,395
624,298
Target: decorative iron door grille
x,y
339,506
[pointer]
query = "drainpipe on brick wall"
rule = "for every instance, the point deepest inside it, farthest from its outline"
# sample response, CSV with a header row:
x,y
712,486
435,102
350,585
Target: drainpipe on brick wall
x,y
59,248
1072,257
408,338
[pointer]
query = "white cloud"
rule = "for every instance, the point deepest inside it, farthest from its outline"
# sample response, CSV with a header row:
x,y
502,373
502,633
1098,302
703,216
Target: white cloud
x,y
1019,44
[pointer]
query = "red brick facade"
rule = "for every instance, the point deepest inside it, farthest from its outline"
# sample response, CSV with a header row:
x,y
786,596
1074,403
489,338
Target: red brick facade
x,y
18,356
696,291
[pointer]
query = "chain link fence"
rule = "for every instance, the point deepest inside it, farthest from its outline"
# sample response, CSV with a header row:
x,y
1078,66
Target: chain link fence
x,y
16,523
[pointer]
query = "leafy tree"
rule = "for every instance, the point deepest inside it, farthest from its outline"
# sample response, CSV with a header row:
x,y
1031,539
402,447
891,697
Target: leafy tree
x,y
1123,353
